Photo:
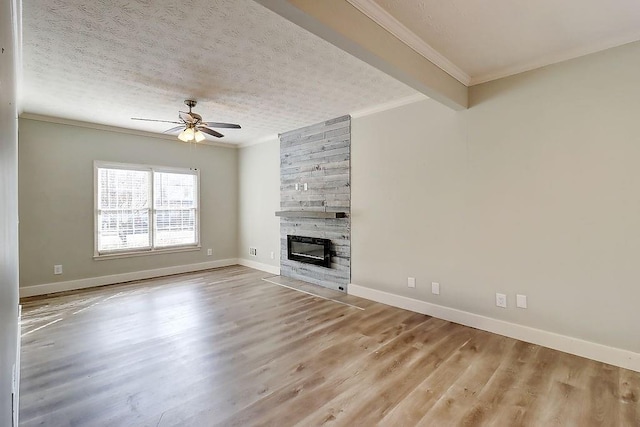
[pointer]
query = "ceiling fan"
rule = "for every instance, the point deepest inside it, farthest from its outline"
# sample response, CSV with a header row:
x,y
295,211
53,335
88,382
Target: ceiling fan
x,y
192,126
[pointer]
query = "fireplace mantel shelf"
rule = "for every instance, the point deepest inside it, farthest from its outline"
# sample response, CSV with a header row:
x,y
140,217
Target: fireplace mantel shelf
x,y
311,214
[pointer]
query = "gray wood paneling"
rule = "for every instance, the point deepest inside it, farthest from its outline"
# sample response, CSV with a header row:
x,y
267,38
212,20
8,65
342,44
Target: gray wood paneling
x,y
318,155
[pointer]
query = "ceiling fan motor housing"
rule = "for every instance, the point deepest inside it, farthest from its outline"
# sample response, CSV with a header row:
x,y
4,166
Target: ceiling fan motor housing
x,y
192,125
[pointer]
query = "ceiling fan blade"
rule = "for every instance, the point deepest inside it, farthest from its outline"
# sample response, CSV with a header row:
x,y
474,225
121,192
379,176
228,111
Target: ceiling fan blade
x,y
154,120
222,125
210,131
186,117
177,128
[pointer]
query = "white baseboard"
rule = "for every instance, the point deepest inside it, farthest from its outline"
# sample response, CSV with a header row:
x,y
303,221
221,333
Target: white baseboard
x,y
259,266
602,353
50,288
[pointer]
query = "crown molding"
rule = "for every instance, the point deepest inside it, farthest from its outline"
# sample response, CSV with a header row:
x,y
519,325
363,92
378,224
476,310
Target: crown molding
x,y
108,128
391,24
389,105
556,58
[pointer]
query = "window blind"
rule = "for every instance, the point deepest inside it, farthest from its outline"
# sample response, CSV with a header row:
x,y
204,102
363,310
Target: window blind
x,y
123,210
142,208
175,203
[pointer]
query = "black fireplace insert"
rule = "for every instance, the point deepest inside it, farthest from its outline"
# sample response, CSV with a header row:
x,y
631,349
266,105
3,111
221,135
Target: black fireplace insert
x,y
311,250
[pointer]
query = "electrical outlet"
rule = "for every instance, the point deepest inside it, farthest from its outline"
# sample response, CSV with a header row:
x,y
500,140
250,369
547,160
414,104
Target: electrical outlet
x,y
273,255
435,288
209,252
521,301
57,269
501,300
411,282
253,251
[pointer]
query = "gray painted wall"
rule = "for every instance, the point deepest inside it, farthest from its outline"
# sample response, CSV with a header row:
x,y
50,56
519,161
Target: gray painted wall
x,y
318,155
8,212
56,199
259,167
534,190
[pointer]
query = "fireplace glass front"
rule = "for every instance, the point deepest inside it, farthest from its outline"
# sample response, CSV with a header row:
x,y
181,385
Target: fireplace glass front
x,y
310,250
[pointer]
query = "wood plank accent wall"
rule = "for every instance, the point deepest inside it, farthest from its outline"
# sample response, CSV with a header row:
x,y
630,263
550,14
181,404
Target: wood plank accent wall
x,y
318,155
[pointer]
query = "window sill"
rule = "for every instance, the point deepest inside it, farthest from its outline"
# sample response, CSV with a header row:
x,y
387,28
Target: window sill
x,y
117,255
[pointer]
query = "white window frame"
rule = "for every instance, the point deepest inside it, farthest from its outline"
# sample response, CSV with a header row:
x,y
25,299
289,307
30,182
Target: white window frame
x,y
125,253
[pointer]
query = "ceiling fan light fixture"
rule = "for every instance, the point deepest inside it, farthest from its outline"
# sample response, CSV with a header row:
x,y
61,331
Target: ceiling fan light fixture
x,y
187,135
199,136
183,136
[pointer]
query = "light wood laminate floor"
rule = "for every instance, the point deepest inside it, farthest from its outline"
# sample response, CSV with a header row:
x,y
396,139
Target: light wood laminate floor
x,y
224,347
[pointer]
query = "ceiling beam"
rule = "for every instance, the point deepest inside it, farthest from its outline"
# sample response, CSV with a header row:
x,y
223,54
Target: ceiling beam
x,y
346,27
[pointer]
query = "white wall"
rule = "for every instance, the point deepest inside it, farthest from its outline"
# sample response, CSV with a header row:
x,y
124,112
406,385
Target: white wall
x,y
535,190
259,171
8,210
57,205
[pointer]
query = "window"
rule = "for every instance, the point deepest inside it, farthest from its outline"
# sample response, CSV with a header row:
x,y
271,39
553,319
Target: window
x,y
144,209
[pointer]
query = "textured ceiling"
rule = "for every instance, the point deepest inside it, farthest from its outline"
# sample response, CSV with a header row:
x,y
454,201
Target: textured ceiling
x,y
105,61
495,38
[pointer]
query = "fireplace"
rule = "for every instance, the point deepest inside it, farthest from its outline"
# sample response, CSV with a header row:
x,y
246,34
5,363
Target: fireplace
x,y
310,250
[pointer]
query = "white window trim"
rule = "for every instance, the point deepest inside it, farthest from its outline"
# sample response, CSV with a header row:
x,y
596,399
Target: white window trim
x,y
124,253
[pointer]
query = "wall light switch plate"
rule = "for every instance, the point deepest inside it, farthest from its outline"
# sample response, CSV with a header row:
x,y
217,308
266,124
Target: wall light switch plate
x,y
57,269
297,186
501,300
411,282
273,255
305,187
435,288
521,301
